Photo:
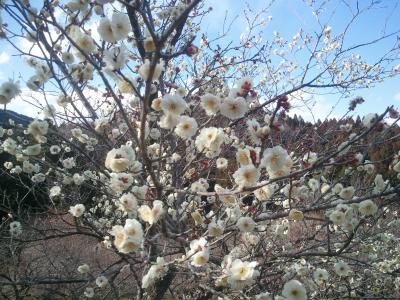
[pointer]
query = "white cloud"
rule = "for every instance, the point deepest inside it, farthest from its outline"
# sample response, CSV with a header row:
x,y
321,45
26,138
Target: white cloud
x,y
93,25
312,107
31,103
4,57
397,97
31,48
28,103
58,13
23,108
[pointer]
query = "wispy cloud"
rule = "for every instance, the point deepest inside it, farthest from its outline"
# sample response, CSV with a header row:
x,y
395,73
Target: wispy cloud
x,y
4,57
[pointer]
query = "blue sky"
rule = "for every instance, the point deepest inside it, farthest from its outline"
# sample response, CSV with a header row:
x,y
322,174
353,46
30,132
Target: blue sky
x,y
288,17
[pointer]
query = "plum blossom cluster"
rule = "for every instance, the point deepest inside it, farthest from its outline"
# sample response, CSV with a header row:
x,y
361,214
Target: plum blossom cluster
x,y
128,238
8,91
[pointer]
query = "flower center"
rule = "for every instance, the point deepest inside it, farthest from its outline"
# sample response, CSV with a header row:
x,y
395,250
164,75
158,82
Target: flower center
x,y
295,293
172,106
247,175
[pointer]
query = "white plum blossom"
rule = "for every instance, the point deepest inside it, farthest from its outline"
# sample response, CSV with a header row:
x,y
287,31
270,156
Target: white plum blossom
x,y
89,292
156,272
320,275
140,191
264,296
128,238
38,128
256,132
337,188
121,26
128,203
120,182
347,193
243,157
186,127
210,104
101,281
246,176
310,157
294,290
151,215
380,184
198,252
369,119
367,208
77,210
55,191
105,30
32,150
265,192
116,58
55,149
8,165
342,269
84,41
228,199
69,163
67,57
233,108
246,224
8,91
10,146
313,184
115,29
156,104
337,217
168,121
221,163
277,161
144,70
210,140
83,269
173,104
242,273
121,159
216,228
296,215
15,228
